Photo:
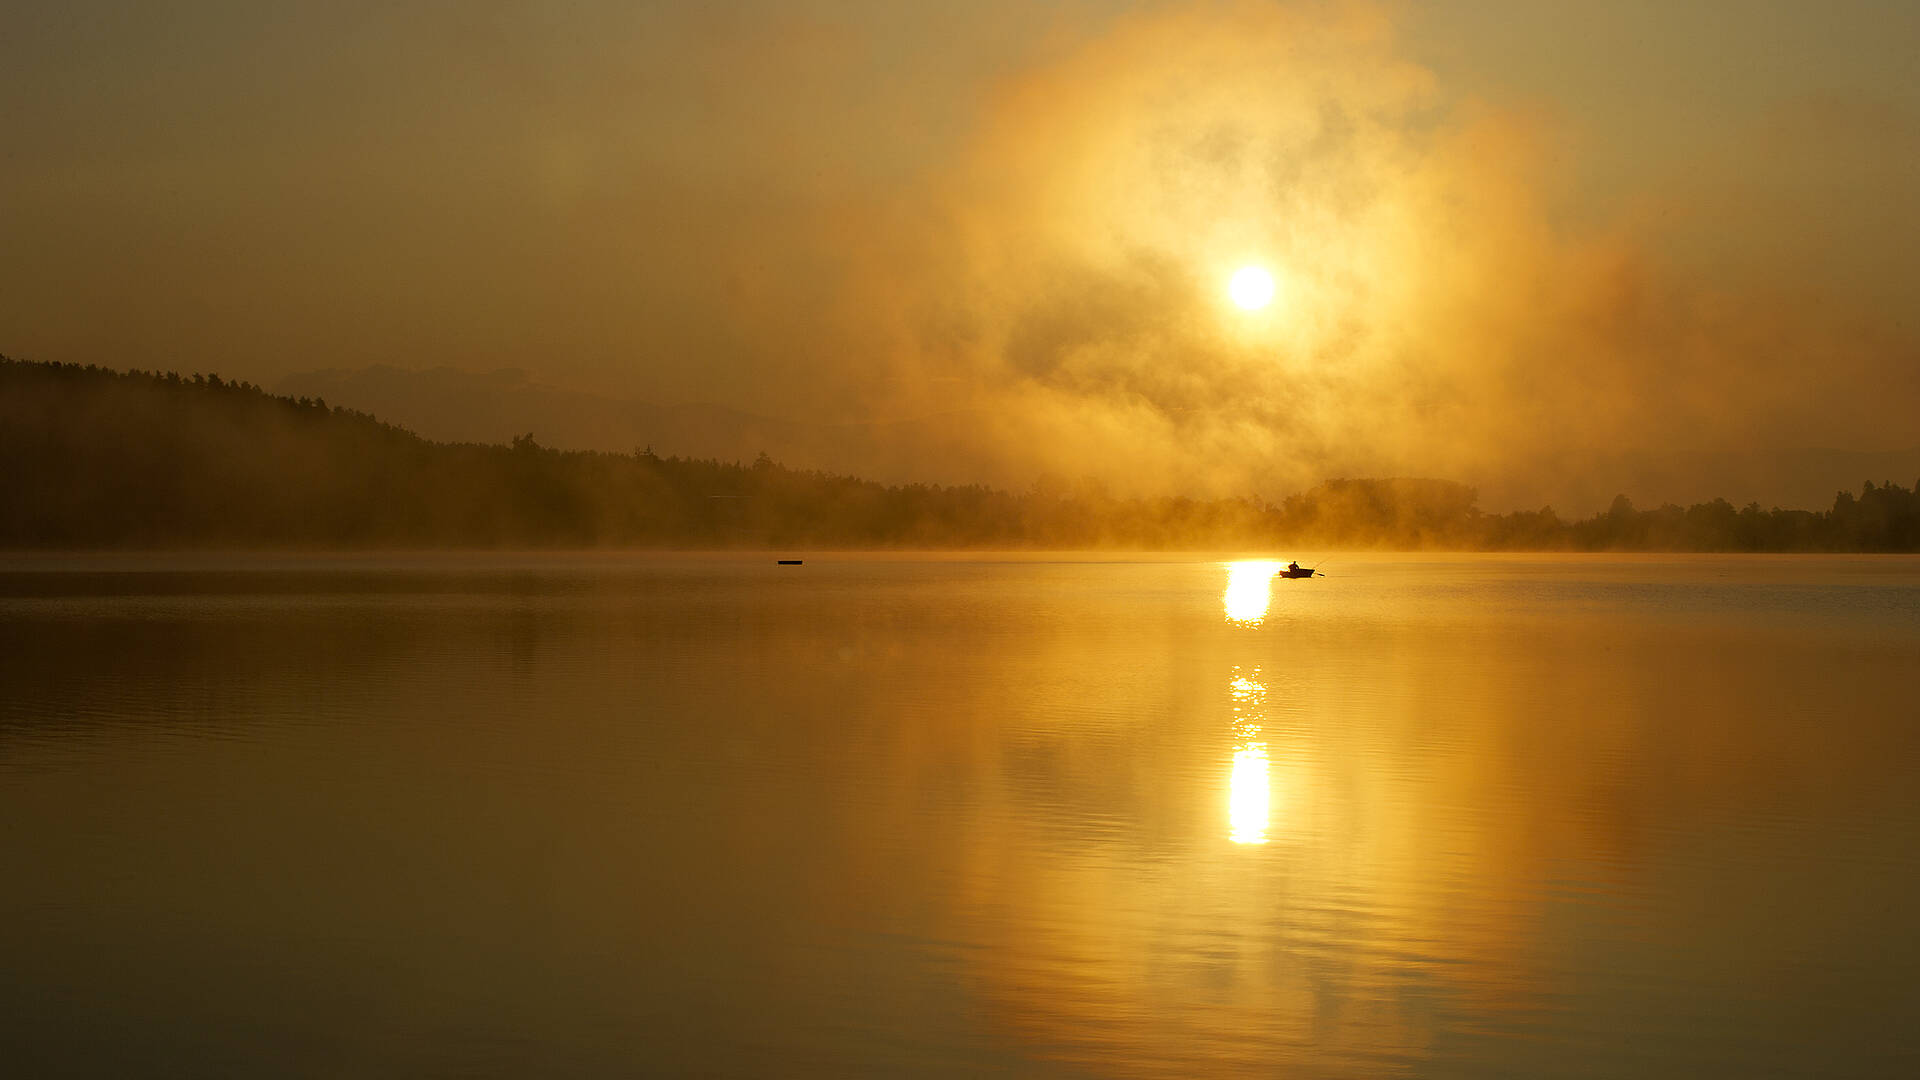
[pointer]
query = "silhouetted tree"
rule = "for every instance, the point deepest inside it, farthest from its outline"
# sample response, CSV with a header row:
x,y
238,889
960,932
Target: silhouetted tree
x,y
97,458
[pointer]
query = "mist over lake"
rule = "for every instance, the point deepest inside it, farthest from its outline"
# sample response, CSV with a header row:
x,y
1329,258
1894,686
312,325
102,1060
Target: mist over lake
x,y
596,815
840,538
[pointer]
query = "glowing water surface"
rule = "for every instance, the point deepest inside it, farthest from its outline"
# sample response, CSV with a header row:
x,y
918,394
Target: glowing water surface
x,y
609,815
1249,591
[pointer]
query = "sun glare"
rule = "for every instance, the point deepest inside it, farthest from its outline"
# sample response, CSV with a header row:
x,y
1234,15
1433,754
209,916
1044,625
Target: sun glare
x,y
1249,796
1249,591
1249,791
1251,287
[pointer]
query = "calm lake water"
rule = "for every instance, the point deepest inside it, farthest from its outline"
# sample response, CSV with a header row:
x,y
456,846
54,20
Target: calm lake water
x,y
673,815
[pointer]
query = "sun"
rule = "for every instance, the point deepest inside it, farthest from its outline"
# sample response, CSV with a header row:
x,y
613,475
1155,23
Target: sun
x,y
1251,287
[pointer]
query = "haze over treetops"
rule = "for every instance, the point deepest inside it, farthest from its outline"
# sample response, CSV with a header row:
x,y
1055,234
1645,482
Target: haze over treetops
x,y
102,459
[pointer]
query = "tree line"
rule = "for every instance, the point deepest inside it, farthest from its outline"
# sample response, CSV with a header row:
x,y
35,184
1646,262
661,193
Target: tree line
x,y
97,458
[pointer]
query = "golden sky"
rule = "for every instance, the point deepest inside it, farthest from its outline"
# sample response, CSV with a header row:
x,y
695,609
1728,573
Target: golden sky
x,y
1508,239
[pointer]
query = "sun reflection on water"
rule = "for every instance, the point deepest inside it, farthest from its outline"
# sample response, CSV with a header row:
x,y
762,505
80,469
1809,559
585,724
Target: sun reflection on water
x,y
1249,791
1249,802
1249,591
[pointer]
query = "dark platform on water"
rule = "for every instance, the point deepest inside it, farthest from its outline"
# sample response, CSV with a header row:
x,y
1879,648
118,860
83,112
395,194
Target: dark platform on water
x,y
789,562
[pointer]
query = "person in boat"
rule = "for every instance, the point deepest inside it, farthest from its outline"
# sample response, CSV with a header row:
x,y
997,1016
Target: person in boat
x,y
1293,568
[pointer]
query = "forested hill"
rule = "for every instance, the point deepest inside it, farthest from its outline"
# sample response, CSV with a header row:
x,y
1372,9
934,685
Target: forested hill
x,y
101,459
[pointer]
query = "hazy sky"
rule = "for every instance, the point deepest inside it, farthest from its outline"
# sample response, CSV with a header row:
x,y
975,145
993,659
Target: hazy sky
x,y
1511,237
